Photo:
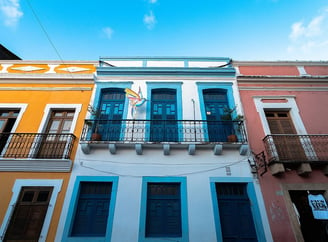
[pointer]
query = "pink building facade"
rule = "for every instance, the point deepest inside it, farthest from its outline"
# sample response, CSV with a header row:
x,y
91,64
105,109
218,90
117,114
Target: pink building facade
x,y
286,110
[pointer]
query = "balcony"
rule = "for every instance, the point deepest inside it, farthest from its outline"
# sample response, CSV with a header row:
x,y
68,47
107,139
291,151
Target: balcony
x,y
35,151
139,132
296,150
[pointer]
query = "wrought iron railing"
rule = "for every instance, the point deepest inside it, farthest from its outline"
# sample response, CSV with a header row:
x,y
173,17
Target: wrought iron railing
x,y
296,148
162,131
36,145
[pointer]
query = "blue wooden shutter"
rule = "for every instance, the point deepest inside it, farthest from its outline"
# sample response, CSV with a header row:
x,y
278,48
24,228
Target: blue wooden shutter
x,y
164,115
235,212
92,209
219,124
163,218
111,113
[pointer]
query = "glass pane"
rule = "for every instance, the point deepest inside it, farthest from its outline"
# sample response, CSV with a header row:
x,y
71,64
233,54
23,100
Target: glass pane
x,y
7,113
67,125
95,187
54,126
28,196
231,189
163,189
43,196
2,123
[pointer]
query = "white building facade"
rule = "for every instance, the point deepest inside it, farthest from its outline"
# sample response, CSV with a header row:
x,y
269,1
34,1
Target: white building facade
x,y
164,157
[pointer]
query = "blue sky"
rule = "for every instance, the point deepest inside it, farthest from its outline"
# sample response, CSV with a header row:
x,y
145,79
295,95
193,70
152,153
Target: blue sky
x,y
239,29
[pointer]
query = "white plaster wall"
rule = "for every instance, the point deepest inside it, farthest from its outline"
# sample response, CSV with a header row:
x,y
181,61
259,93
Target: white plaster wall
x,y
130,168
200,209
154,163
127,210
189,91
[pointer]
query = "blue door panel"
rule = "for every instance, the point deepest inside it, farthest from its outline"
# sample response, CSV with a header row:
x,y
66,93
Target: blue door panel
x,y
164,125
111,114
92,210
91,216
236,217
219,124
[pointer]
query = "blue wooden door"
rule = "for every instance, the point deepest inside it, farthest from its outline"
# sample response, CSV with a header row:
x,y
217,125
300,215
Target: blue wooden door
x,y
163,218
235,213
92,210
163,115
111,114
219,124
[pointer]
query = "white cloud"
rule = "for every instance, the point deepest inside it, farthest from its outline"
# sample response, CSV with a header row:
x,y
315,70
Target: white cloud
x,y
108,32
310,40
10,9
150,20
152,1
297,30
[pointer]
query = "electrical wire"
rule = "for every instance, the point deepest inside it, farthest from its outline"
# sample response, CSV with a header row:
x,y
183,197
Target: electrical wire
x,y
140,176
149,163
47,36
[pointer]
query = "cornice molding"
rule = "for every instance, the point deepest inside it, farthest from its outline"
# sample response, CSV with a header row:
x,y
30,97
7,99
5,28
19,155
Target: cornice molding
x,y
165,78
45,88
47,78
287,88
282,79
279,63
165,71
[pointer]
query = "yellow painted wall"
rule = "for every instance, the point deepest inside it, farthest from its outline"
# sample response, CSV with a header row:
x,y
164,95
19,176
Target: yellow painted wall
x,y
37,101
30,122
7,180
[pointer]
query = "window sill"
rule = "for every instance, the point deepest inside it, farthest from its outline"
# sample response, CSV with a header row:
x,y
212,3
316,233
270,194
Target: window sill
x,y
85,239
36,165
163,239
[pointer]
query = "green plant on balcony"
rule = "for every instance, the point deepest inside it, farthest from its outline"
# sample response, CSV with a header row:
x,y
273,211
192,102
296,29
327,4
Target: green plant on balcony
x,y
93,124
231,115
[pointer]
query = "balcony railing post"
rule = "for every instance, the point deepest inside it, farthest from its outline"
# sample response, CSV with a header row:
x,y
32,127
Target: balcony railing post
x,y
133,123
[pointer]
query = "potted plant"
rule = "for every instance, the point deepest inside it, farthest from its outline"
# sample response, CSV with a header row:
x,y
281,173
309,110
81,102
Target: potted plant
x,y
228,116
93,124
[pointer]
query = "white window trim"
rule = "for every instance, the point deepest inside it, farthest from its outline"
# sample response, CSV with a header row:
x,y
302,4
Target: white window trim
x,y
19,183
22,108
50,107
47,113
291,106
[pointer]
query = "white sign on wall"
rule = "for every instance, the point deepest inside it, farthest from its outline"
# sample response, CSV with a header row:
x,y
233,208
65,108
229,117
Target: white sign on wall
x,y
319,206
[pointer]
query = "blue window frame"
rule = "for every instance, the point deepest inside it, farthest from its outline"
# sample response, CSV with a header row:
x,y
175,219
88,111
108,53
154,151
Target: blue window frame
x,y
219,124
165,103
111,111
164,209
214,98
111,105
236,210
163,216
91,209
164,126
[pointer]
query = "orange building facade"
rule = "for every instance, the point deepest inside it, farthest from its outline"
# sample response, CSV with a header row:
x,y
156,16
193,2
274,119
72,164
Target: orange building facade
x,y
42,109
